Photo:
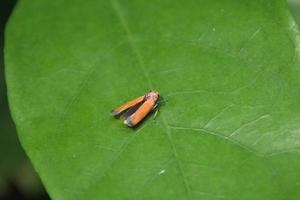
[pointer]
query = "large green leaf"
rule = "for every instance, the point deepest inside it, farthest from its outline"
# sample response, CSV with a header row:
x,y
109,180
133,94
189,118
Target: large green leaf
x,y
229,70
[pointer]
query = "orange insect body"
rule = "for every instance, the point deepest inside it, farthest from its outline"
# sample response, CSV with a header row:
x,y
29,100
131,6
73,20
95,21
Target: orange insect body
x,y
136,110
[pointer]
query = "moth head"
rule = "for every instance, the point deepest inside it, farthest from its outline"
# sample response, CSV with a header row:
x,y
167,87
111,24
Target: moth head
x,y
153,95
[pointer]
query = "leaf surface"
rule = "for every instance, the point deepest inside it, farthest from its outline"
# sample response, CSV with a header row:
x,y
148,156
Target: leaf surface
x,y
229,71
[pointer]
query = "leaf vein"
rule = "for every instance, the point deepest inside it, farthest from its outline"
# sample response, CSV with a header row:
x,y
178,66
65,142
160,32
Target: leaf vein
x,y
116,6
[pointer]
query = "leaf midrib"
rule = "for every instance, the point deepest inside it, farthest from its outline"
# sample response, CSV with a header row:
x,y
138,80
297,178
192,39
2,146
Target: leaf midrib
x,y
117,8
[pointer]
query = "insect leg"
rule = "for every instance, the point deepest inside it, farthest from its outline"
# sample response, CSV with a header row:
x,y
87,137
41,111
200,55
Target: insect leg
x,y
156,110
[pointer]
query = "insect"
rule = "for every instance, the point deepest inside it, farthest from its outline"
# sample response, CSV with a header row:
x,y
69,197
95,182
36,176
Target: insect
x,y
137,109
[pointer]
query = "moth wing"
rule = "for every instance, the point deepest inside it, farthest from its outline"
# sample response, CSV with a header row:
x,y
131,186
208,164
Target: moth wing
x,y
139,114
132,110
127,105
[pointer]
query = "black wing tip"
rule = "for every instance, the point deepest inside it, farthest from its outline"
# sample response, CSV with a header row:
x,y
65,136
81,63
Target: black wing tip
x,y
115,113
128,123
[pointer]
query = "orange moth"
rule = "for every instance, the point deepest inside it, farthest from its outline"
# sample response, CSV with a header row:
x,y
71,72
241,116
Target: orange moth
x,y
137,109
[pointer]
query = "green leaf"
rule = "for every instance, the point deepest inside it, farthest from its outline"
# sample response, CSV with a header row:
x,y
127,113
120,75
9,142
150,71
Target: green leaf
x,y
228,69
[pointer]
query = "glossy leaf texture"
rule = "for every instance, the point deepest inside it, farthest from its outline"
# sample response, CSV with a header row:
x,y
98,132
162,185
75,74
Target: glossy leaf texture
x,y
228,69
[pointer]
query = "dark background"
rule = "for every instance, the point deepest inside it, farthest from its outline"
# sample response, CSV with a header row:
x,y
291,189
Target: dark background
x,y
17,177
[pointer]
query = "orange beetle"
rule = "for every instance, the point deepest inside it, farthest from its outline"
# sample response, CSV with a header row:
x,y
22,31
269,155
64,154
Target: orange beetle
x,y
137,109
